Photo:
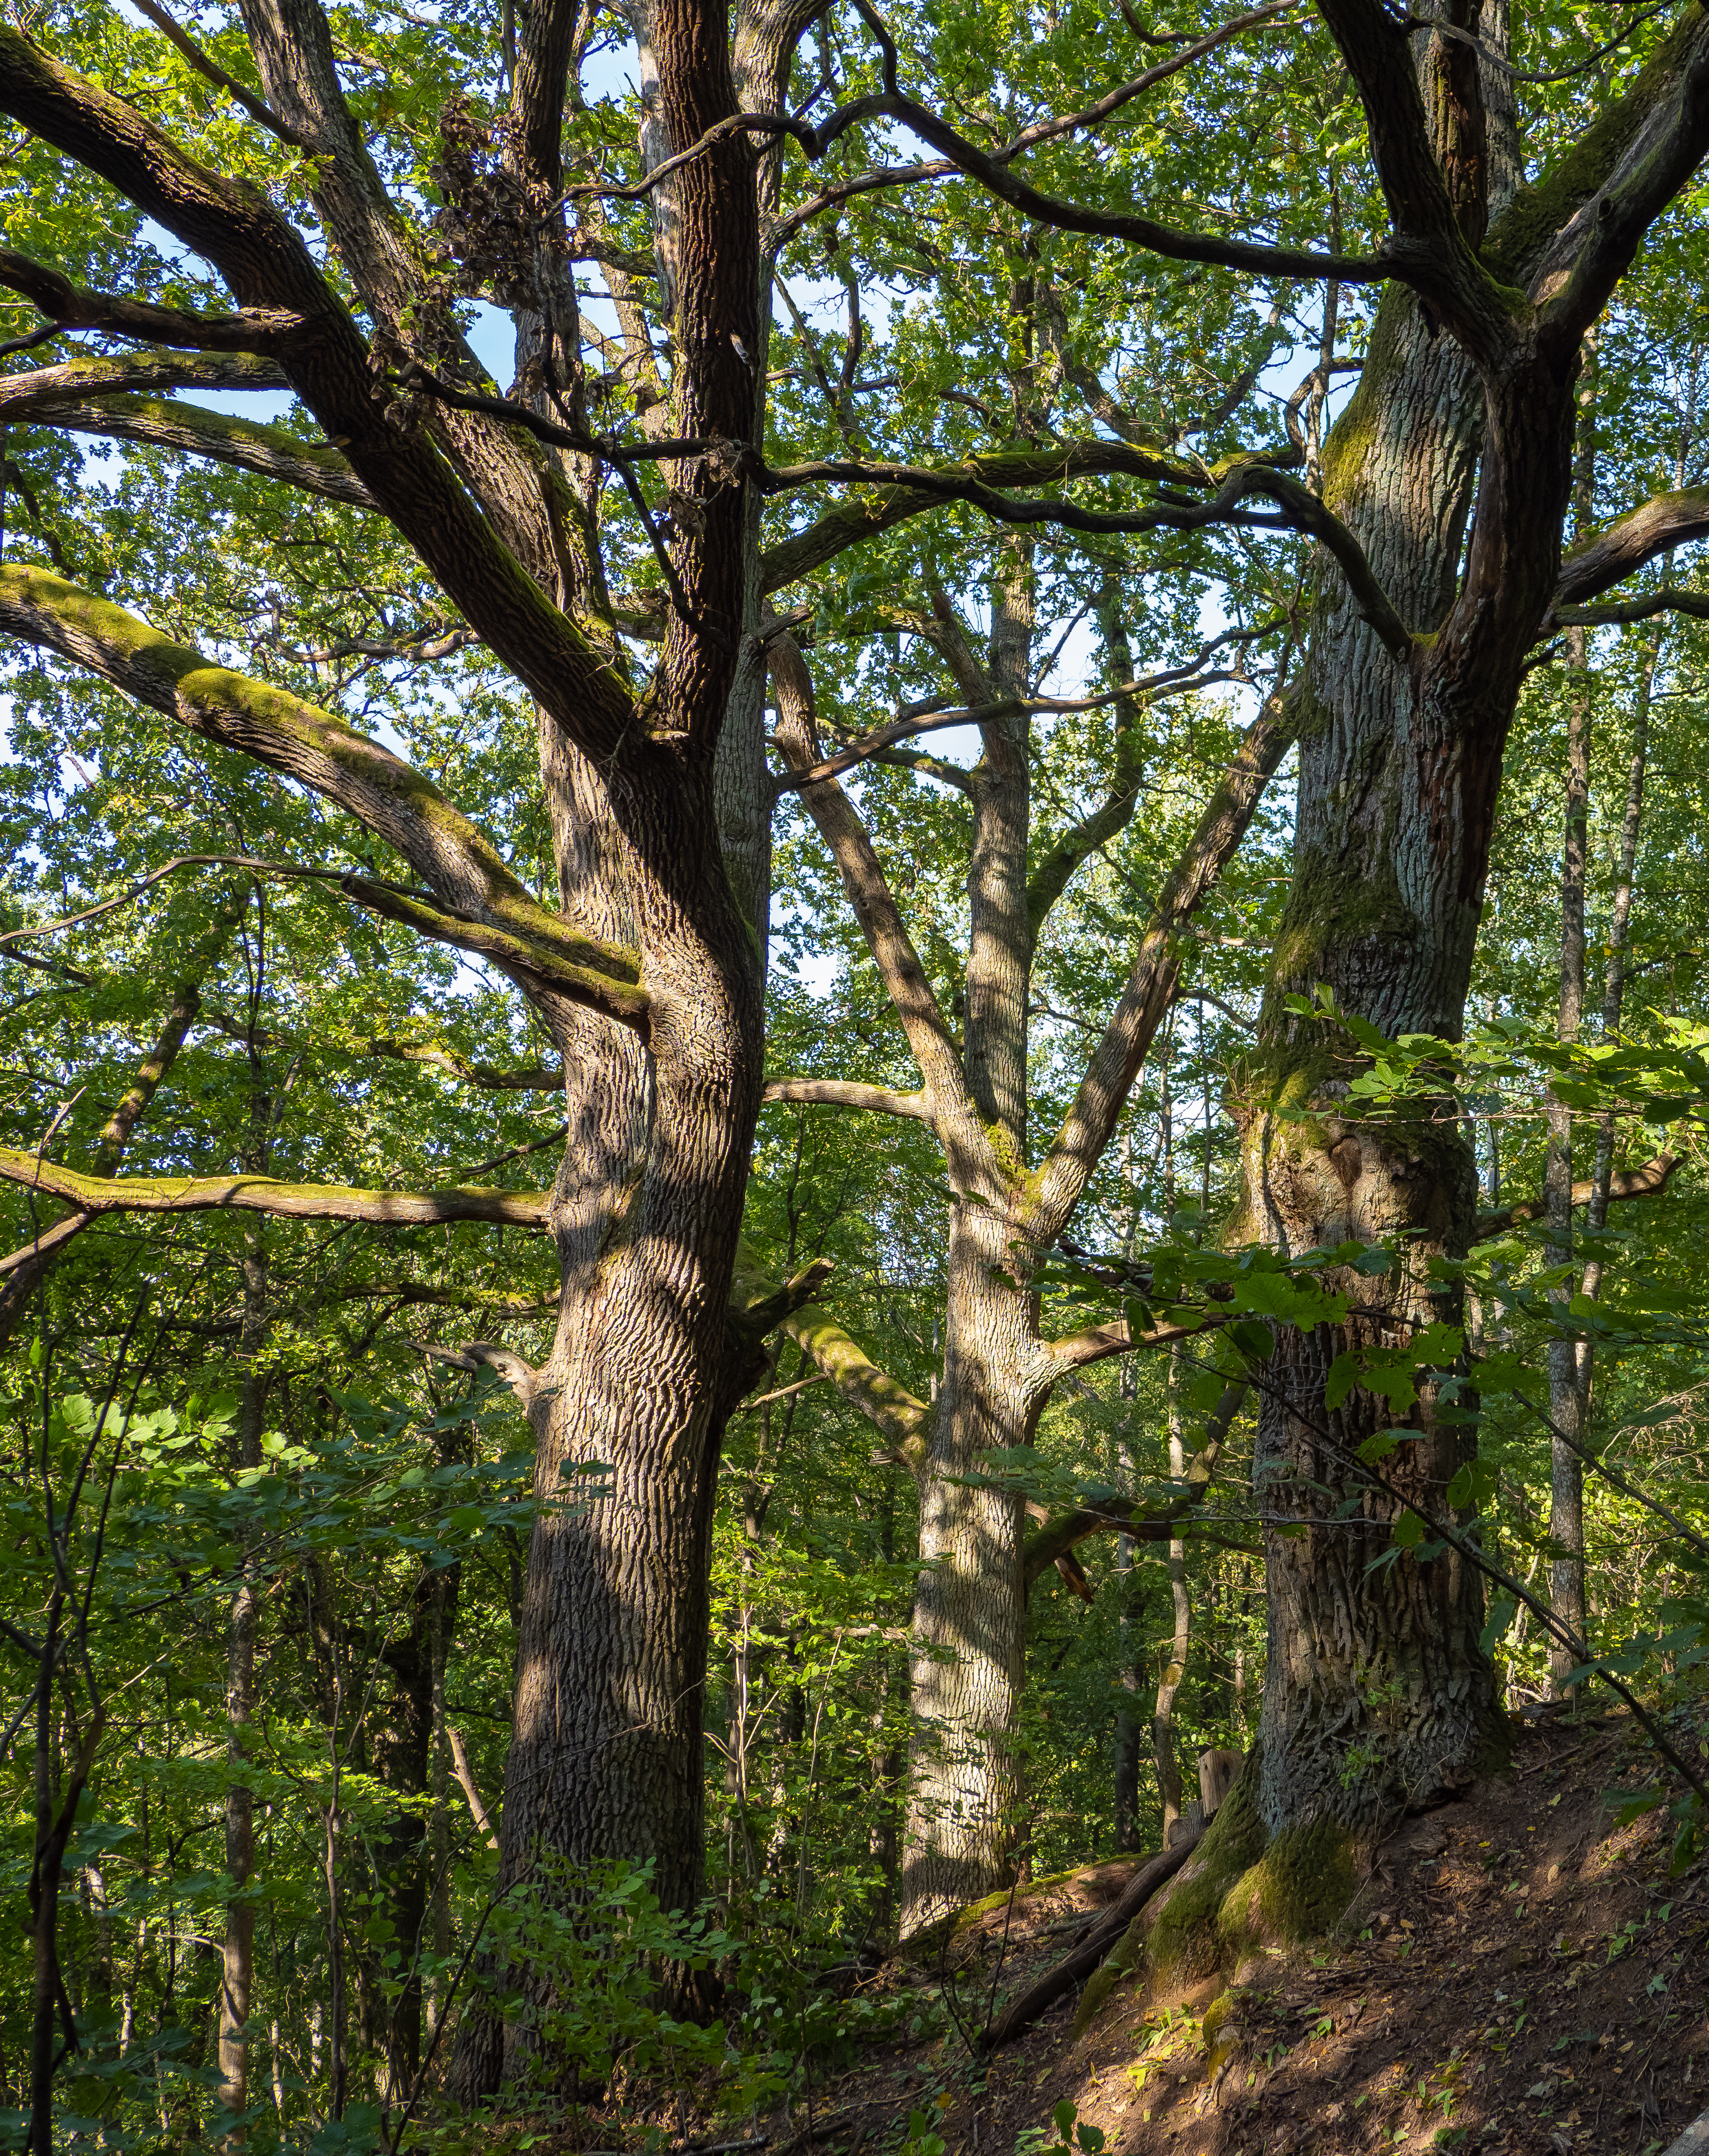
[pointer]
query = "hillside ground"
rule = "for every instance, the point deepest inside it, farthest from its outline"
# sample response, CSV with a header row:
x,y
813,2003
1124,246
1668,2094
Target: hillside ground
x,y
1519,1974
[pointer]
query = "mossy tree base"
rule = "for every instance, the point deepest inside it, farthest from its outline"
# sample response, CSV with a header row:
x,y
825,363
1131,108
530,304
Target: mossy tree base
x,y
1244,1889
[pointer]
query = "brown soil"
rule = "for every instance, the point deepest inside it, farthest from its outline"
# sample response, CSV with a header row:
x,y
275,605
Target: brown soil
x,y
1518,1974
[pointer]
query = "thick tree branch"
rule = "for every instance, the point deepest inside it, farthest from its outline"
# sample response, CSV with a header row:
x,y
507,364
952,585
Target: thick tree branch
x,y
261,329
260,1193
1655,527
1155,974
840,1093
313,467
1649,1181
1097,1344
557,967
1433,242
254,247
1604,241
890,1408
758,1310
460,864
973,1163
102,374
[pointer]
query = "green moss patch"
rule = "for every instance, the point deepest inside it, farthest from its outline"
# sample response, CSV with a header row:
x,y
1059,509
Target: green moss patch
x,y
1298,1889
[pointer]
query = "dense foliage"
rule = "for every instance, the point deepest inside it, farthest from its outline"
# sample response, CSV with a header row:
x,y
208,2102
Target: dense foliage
x,y
213,1412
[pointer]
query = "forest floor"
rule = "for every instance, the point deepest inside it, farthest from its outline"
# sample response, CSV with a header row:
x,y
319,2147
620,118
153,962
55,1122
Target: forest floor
x,y
1518,1973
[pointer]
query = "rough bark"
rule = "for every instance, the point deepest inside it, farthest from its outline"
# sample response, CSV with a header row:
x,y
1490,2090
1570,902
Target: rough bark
x,y
662,1082
1376,1690
968,1630
998,1371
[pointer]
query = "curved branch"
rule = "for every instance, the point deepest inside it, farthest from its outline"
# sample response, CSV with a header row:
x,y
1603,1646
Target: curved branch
x,y
1667,598
557,967
255,329
1298,507
1654,527
313,467
97,1195
894,503
840,1093
1176,682
461,865
761,1310
991,170
1649,1181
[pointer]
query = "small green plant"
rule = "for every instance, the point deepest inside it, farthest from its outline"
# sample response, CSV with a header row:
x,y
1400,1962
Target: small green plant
x,y
923,2138
1073,2138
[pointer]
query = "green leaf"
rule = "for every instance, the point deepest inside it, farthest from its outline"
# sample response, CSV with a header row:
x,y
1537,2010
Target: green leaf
x,y
1503,1611
1257,1342
1474,1485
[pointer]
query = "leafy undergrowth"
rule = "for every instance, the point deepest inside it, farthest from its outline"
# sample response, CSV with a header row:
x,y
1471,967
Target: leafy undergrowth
x,y
1519,1974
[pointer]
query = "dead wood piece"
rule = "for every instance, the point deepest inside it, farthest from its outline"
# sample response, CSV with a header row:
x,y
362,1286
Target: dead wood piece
x,y
1020,2013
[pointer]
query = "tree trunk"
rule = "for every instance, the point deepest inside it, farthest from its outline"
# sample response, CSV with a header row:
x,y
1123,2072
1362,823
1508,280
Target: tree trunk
x,y
606,1757
969,1628
1566,1467
1174,1669
237,1952
1375,1684
1131,1661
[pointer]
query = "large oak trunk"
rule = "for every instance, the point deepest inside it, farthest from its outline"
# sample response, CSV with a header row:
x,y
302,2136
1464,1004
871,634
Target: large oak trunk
x,y
606,1758
1378,1692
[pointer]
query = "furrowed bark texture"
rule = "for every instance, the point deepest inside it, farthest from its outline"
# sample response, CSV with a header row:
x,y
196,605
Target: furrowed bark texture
x,y
1376,1691
606,1757
1374,1683
969,1622
662,1084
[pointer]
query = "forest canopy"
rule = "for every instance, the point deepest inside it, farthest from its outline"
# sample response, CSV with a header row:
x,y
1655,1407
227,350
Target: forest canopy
x,y
853,980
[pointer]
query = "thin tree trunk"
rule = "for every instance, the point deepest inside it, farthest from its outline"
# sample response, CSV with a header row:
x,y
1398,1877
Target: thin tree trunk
x,y
438,1820
1130,1659
1174,1669
1566,1467
1619,935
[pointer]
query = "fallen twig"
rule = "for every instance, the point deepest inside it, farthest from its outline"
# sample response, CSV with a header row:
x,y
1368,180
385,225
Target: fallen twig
x,y
1021,2013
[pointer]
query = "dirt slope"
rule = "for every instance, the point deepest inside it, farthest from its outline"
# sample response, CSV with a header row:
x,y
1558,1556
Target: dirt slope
x,y
1518,1973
